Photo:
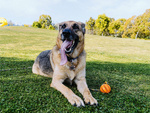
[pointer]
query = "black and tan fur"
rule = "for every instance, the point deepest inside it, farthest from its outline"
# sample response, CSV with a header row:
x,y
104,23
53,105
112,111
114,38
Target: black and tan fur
x,y
48,64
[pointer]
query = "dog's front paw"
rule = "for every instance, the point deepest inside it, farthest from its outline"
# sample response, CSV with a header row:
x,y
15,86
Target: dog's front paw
x,y
76,101
90,100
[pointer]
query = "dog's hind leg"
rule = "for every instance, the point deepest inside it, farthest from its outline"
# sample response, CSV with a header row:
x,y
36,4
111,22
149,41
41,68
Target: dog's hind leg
x,y
42,64
35,69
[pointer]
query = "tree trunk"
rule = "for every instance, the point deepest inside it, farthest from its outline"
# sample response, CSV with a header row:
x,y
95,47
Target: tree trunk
x,y
137,34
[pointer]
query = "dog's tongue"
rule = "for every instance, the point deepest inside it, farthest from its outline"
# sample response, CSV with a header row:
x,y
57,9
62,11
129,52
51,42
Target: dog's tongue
x,y
66,44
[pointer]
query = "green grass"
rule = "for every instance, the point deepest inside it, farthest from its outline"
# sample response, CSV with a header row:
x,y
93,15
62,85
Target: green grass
x,y
123,63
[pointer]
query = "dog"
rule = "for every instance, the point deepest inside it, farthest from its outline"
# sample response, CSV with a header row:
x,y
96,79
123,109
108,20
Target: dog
x,y
67,62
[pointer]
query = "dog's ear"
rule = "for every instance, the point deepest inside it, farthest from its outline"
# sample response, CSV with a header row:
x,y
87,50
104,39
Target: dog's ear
x,y
60,25
83,27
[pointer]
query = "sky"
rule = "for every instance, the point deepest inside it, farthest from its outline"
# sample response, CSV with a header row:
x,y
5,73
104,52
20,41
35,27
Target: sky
x,y
27,11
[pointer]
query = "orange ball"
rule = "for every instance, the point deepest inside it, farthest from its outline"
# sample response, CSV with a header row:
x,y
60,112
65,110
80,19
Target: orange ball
x,y
105,88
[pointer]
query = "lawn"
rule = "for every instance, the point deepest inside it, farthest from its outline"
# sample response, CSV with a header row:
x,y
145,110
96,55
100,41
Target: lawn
x,y
123,63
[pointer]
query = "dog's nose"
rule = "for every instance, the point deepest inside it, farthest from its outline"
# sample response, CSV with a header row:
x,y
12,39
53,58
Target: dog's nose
x,y
66,33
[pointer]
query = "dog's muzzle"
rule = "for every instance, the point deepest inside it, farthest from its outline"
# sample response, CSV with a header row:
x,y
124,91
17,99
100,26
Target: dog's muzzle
x,y
69,35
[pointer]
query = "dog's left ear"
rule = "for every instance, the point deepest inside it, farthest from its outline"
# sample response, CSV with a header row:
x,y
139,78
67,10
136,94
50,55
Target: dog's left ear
x,y
83,27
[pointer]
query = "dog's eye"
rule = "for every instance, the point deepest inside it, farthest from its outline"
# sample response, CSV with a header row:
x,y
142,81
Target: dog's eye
x,y
75,27
63,26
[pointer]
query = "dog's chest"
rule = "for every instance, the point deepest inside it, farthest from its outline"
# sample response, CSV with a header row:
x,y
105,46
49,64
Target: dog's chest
x,y
71,67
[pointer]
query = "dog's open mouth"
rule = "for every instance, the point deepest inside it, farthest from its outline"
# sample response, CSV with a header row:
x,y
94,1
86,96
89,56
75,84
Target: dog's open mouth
x,y
67,47
70,46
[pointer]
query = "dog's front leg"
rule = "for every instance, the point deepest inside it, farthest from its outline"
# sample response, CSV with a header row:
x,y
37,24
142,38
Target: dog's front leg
x,y
84,90
68,93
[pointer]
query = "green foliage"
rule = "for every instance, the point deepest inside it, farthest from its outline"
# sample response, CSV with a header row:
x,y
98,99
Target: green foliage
x,y
90,26
25,25
128,27
113,27
102,23
36,24
44,25
141,26
112,19
44,22
138,27
116,27
121,29
51,27
134,27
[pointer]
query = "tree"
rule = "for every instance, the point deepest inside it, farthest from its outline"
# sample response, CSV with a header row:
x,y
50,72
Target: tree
x,y
102,23
116,27
90,25
141,28
112,19
147,24
113,27
45,21
138,27
121,29
128,27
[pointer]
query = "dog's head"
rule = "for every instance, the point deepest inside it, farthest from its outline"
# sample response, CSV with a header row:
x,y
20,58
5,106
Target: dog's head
x,y
72,34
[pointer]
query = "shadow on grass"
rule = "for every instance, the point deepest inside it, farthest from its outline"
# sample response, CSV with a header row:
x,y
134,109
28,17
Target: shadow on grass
x,y
134,68
8,63
22,91
12,63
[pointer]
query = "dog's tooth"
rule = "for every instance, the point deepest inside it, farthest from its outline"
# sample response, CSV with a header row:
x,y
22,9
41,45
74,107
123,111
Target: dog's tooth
x,y
73,44
68,50
70,47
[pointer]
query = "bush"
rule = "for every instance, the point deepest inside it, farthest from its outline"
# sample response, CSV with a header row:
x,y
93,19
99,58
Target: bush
x,y
43,25
36,24
51,27
25,25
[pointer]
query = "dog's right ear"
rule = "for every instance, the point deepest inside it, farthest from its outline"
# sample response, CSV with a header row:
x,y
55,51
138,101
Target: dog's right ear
x,y
83,27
